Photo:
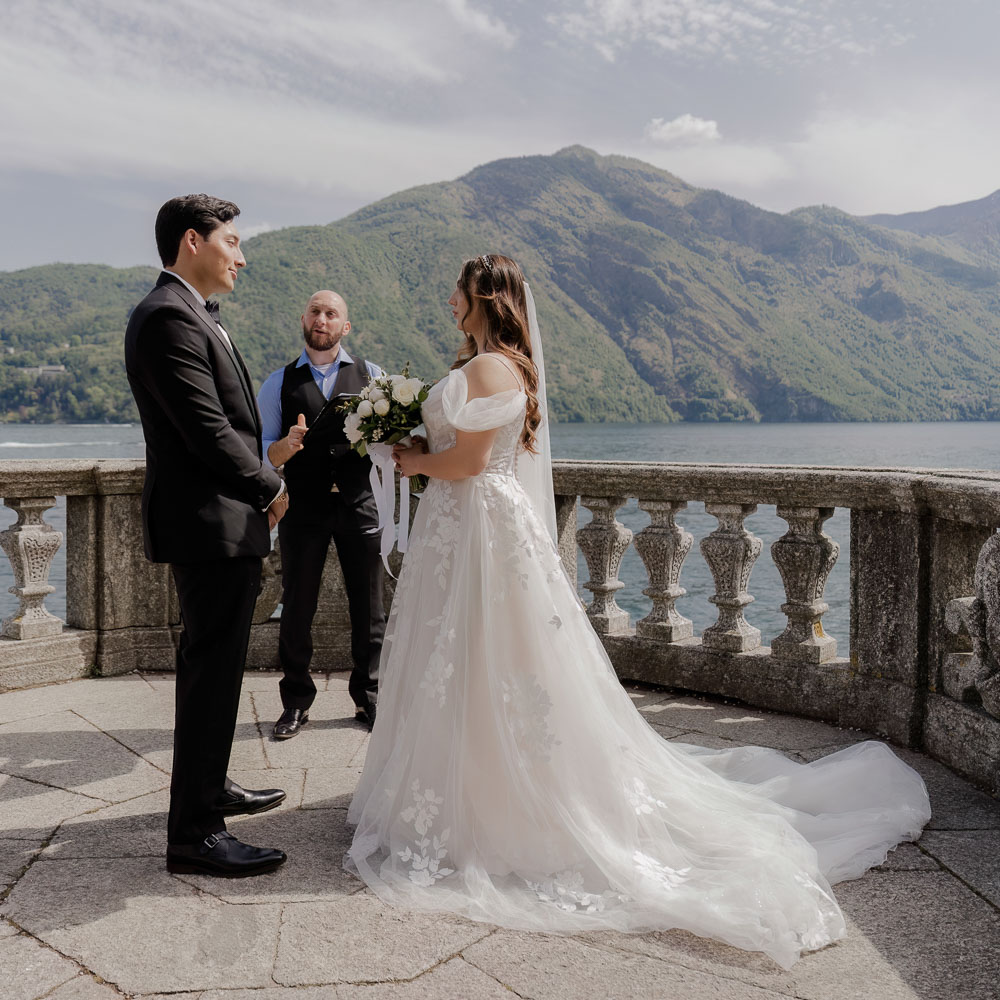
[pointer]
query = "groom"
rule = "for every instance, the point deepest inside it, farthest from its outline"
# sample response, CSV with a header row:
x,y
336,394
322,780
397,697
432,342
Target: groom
x,y
208,504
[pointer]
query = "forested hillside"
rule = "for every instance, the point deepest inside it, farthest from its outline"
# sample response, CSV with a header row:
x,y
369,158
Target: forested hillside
x,y
657,300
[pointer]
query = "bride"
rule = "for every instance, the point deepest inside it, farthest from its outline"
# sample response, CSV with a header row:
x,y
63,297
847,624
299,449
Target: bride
x,y
509,777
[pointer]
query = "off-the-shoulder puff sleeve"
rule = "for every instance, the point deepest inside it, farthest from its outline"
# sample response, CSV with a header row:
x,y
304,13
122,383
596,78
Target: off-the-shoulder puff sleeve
x,y
483,413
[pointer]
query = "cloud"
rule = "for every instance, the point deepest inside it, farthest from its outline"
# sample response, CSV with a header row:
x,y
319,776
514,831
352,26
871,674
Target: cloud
x,y
482,24
302,45
311,92
752,171
246,232
685,128
884,159
755,31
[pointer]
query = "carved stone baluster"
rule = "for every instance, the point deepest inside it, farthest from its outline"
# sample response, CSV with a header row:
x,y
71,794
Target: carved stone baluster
x,y
804,555
30,545
730,552
663,546
981,617
603,542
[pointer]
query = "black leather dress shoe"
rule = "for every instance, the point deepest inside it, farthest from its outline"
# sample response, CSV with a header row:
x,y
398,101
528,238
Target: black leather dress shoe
x,y
222,855
366,714
291,721
236,801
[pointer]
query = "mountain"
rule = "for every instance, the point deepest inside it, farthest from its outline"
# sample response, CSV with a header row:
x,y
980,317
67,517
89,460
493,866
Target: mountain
x,y
657,301
974,225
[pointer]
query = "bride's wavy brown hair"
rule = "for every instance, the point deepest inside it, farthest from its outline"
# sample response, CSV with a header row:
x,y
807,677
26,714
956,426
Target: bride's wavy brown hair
x,y
494,285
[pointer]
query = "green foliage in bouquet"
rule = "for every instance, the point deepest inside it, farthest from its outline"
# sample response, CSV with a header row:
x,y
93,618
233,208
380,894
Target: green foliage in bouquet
x,y
385,412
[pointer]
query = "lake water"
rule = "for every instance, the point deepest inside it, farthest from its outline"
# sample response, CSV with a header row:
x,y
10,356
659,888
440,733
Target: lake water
x,y
926,445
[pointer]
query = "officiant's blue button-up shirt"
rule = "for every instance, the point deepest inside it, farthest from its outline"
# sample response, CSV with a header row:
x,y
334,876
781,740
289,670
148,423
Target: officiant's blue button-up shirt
x,y
269,397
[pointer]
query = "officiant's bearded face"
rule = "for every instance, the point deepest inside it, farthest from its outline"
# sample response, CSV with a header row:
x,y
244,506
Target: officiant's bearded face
x,y
325,322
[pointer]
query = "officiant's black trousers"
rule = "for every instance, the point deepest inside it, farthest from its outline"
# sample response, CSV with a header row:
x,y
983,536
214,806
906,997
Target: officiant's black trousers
x,y
304,537
217,600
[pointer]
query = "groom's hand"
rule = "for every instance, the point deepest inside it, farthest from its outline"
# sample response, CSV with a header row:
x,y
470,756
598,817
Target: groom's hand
x,y
282,450
276,511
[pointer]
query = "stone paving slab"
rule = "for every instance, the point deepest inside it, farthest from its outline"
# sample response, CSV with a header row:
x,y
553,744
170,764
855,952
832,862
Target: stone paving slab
x,y
30,811
134,717
15,855
63,750
29,970
290,780
315,842
84,987
267,680
909,858
886,914
359,939
79,695
671,732
547,967
956,804
747,726
454,979
708,740
135,926
330,786
941,939
972,855
136,828
331,715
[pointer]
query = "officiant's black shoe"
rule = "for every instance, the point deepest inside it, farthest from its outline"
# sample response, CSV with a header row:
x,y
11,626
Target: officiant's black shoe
x,y
236,801
366,715
291,721
223,856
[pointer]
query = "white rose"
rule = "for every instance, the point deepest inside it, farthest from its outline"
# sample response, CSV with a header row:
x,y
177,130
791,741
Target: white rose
x,y
352,427
402,393
364,392
415,384
382,407
397,380
376,394
364,408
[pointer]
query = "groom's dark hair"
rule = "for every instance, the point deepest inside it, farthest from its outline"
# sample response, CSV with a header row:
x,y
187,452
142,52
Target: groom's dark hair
x,y
200,212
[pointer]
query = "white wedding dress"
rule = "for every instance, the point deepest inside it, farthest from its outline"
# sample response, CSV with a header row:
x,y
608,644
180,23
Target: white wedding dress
x,y
510,779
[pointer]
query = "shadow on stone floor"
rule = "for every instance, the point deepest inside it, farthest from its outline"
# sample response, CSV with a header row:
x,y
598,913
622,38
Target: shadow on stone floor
x,y
114,764
99,862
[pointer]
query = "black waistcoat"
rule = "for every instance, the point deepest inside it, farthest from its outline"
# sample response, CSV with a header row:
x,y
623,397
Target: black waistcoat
x,y
327,458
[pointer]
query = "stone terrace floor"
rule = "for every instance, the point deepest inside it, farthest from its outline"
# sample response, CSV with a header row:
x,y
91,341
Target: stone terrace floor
x,y
88,911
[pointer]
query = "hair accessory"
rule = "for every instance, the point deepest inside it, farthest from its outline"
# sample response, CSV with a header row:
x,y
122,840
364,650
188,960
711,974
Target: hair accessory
x,y
488,264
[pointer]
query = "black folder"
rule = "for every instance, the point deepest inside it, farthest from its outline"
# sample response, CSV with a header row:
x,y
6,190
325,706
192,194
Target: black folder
x,y
330,412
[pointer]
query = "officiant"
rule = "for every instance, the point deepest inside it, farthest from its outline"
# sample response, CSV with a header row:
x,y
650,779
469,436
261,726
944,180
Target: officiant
x,y
330,500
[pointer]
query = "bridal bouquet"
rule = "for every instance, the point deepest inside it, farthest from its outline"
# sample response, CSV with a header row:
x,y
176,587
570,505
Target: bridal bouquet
x,y
385,413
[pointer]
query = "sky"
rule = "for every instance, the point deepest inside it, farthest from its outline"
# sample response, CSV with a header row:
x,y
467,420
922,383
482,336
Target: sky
x,y
303,111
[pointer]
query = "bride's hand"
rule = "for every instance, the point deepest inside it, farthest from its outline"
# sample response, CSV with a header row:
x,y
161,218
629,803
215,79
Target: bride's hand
x,y
407,459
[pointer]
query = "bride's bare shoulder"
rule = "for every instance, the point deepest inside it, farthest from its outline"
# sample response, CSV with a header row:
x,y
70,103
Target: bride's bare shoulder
x,y
490,374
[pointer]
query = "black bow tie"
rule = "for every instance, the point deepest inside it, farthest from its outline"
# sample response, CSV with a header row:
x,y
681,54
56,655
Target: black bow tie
x,y
212,308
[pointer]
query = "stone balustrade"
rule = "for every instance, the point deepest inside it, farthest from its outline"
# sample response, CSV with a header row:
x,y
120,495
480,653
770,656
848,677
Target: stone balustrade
x,y
924,663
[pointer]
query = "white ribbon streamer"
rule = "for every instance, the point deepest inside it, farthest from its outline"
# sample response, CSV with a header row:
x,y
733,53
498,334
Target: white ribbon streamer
x,y
383,483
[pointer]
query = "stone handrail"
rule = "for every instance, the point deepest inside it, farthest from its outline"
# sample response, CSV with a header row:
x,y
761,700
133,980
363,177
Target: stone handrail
x,y
924,664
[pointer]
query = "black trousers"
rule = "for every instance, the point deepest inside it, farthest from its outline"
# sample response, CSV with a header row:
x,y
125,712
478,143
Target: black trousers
x,y
304,536
217,600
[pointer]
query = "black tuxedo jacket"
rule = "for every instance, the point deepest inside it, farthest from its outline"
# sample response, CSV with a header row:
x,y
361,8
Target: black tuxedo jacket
x,y
206,485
